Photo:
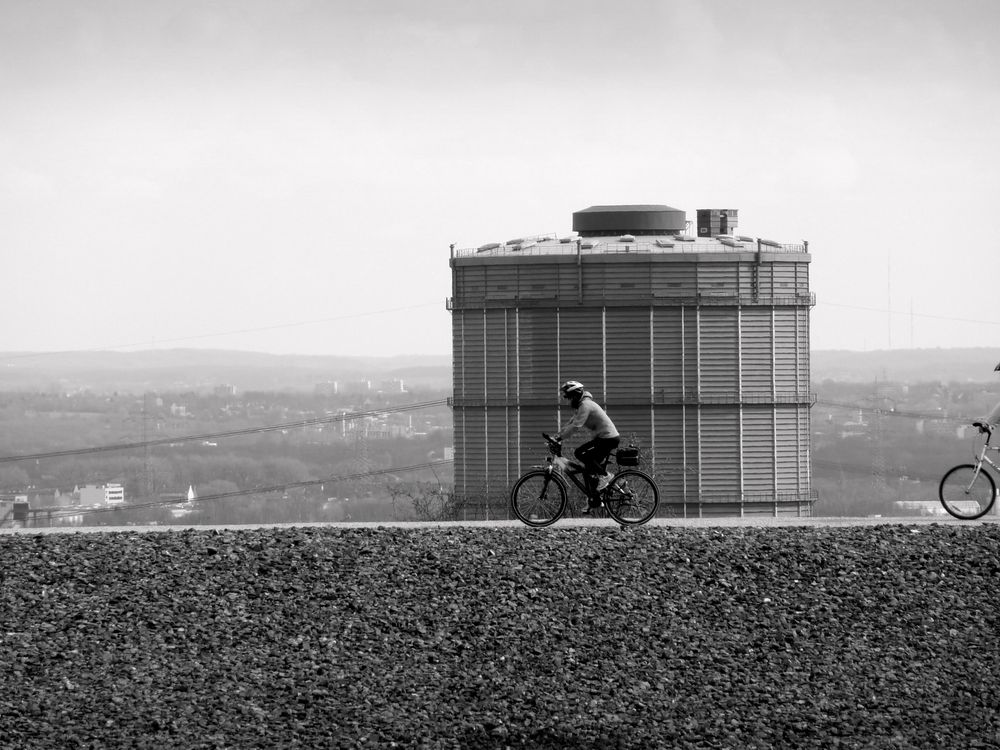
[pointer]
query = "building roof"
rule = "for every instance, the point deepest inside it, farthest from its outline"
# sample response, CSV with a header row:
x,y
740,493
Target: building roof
x,y
631,207
625,244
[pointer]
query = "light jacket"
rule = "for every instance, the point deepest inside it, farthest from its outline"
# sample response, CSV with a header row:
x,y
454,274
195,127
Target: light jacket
x,y
591,416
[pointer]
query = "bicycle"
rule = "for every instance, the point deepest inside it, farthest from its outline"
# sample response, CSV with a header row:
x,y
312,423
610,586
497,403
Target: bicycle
x,y
540,496
968,491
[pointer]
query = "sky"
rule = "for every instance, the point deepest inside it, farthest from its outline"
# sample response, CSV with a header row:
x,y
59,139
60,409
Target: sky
x,y
286,176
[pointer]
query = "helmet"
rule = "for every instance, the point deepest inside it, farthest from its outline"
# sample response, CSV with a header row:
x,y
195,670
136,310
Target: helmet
x,y
570,389
997,368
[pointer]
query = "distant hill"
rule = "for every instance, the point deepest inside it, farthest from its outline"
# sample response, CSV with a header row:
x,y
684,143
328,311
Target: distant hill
x,y
907,365
203,369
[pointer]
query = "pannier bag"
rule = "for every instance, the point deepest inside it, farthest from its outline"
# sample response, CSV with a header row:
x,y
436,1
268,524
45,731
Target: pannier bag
x,y
627,456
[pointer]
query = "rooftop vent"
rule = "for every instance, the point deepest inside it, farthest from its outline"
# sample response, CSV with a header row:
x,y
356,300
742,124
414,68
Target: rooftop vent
x,y
614,221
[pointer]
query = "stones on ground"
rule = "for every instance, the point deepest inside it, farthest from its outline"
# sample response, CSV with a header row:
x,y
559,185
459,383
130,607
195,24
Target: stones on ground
x,y
462,637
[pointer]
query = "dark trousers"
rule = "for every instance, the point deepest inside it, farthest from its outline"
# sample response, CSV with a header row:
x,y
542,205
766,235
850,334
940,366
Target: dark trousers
x,y
593,455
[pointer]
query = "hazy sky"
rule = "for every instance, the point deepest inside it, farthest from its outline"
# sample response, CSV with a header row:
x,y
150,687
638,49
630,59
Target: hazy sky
x,y
287,175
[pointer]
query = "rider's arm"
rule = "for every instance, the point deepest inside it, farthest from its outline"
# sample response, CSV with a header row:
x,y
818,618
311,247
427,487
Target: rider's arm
x,y
574,424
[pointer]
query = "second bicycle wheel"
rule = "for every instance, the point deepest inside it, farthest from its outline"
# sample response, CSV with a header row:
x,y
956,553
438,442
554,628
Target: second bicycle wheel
x,y
631,497
965,494
538,498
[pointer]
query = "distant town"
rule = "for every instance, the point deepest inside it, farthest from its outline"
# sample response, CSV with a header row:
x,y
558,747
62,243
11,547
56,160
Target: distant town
x,y
880,445
270,439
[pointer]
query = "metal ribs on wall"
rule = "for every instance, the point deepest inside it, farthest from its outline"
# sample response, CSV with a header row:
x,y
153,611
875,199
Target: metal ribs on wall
x,y
703,360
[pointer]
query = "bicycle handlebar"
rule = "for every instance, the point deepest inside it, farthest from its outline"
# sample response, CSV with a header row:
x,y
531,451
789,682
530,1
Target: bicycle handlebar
x,y
555,447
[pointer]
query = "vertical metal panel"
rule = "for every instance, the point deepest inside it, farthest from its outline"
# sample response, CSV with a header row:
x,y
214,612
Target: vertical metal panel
x,y
746,281
568,283
498,441
756,351
786,355
474,349
458,352
690,352
594,287
671,464
786,449
758,449
581,355
719,449
458,420
497,349
537,377
804,433
802,348
718,364
667,353
628,356
474,457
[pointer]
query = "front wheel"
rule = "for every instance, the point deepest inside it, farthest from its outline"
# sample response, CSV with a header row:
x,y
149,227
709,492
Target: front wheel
x,y
966,494
631,497
538,498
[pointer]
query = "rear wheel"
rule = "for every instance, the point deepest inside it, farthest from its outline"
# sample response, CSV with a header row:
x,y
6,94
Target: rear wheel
x,y
631,497
966,494
538,498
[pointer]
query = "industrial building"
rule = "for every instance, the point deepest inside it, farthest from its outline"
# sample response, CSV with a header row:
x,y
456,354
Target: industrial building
x,y
697,344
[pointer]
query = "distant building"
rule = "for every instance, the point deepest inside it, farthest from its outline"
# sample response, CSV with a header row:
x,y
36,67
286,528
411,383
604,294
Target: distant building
x,y
329,388
106,494
697,345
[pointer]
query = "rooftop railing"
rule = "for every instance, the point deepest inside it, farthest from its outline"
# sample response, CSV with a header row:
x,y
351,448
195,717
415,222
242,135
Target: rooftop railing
x,y
546,247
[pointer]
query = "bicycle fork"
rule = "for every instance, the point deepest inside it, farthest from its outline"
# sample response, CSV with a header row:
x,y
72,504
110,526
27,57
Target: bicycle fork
x,y
979,467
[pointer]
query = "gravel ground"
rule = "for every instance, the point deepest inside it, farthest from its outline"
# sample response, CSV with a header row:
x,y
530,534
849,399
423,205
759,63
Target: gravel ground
x,y
576,637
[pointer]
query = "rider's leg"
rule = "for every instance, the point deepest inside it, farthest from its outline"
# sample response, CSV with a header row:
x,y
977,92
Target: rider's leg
x,y
594,455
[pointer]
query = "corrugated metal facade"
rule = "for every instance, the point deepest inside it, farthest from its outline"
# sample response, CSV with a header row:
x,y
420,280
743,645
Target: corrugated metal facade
x,y
703,358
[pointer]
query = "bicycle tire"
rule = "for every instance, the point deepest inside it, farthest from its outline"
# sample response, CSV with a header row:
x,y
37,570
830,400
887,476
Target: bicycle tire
x,y
965,498
631,498
538,498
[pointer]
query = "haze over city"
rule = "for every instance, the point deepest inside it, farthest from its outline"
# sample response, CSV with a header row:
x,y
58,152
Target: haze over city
x,y
287,177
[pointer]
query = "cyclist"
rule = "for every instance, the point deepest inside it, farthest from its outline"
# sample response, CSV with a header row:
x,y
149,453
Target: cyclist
x,y
592,454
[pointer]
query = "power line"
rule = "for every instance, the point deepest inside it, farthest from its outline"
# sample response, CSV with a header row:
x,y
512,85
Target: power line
x,y
229,433
908,313
895,412
865,470
63,512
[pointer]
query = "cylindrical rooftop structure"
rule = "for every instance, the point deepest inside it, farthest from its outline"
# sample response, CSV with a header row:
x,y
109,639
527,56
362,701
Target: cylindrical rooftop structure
x,y
637,220
698,347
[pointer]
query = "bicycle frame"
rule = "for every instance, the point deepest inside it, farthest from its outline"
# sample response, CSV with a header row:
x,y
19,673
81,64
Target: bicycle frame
x,y
571,469
983,458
